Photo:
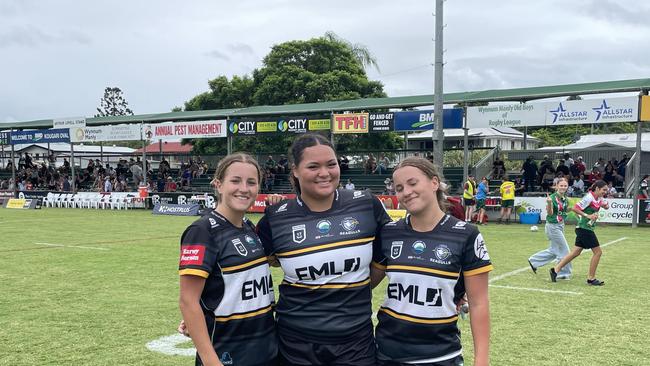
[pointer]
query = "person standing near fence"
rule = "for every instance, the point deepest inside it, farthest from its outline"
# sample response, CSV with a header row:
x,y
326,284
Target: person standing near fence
x,y
226,290
557,208
481,195
587,212
469,201
507,191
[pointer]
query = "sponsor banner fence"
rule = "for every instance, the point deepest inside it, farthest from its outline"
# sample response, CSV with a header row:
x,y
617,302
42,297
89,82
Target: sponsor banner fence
x,y
40,136
5,138
589,111
620,209
293,125
350,123
22,203
424,120
183,130
34,194
206,200
176,210
131,132
382,122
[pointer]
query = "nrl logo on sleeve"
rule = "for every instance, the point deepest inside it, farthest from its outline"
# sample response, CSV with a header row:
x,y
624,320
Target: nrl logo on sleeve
x,y
213,222
241,249
299,233
396,249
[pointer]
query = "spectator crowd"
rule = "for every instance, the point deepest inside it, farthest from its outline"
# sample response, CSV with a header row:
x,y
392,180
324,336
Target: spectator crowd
x,y
543,177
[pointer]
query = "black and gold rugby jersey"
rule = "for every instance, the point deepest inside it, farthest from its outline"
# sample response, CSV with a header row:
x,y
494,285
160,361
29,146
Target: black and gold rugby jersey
x,y
325,296
238,295
417,321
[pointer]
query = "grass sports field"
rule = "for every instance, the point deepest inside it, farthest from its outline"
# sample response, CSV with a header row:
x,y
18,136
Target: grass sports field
x,y
86,287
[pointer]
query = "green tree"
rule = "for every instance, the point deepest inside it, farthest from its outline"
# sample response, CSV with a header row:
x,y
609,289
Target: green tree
x,y
566,134
317,70
361,52
113,103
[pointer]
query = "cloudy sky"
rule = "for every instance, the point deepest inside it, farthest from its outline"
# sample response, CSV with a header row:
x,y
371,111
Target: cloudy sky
x,y
58,56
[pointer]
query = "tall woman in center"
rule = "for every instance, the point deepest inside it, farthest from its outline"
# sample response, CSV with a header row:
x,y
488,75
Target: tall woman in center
x,y
323,241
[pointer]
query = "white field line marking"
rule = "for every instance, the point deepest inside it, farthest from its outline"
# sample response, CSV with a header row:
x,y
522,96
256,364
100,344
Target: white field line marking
x,y
537,289
512,273
167,345
71,246
517,271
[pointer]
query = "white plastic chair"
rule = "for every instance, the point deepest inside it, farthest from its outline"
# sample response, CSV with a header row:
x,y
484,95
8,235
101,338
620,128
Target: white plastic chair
x,y
104,200
82,200
50,199
93,201
60,200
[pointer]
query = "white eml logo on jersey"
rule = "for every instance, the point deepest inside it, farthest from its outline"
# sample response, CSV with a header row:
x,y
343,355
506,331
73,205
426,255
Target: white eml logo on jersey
x,y
396,249
357,194
480,250
241,249
299,233
282,208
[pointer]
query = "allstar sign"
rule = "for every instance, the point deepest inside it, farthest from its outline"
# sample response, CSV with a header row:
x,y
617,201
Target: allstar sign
x,y
556,112
603,107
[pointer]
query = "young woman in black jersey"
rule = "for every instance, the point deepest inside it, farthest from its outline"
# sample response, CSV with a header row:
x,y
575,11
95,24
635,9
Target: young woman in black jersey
x,y
323,241
430,259
226,291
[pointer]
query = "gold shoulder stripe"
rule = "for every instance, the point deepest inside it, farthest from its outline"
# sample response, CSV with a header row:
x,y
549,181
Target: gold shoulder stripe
x,y
193,272
330,286
423,269
378,266
248,264
326,246
418,320
477,271
244,315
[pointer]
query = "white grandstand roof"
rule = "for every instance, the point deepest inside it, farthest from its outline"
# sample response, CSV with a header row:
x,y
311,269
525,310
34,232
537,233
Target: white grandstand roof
x,y
625,140
474,132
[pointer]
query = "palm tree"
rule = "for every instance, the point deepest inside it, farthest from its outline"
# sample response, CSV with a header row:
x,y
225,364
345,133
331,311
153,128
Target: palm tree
x,y
361,52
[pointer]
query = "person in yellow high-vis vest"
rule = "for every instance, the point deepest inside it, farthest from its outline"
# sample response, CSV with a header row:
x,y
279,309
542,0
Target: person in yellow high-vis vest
x,y
469,201
507,190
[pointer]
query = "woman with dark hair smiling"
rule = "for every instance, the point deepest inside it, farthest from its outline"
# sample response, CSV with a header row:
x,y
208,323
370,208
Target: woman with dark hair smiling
x,y
323,241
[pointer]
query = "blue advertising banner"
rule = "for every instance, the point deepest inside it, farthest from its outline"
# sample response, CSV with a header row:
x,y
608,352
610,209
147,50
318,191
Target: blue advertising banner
x,y
423,120
40,136
5,138
176,210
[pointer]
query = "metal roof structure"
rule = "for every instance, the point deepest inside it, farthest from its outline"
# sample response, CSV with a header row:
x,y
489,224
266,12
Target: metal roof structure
x,y
492,95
